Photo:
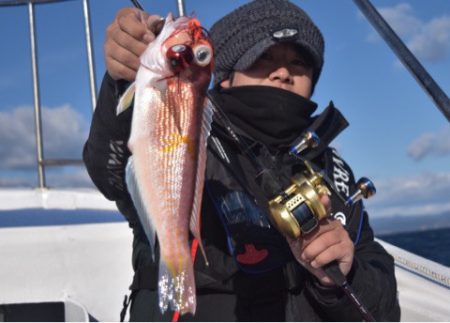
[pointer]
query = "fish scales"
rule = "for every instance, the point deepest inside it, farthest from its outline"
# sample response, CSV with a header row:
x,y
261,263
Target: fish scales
x,y
176,158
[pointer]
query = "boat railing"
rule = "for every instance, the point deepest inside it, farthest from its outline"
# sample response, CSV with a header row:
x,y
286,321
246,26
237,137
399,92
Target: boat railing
x,y
42,163
406,57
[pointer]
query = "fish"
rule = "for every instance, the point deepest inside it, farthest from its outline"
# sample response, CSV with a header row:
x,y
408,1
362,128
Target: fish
x,y
169,129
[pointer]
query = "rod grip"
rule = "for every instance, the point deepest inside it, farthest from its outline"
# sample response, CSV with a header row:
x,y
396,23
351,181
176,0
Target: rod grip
x,y
333,271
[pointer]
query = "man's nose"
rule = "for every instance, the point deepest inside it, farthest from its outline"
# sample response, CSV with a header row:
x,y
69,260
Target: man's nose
x,y
281,73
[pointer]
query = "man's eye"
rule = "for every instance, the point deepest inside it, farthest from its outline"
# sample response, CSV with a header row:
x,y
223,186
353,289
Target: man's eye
x,y
298,62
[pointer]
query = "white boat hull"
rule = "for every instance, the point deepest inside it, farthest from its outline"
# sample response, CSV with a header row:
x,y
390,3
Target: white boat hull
x,y
90,264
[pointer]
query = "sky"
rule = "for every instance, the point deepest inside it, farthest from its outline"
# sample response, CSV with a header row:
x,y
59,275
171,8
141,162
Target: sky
x,y
397,136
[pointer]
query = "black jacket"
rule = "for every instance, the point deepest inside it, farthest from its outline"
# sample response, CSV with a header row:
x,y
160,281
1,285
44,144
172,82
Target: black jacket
x,y
229,290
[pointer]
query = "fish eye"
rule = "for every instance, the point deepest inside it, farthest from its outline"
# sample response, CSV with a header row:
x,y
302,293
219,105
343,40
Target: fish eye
x,y
202,55
179,57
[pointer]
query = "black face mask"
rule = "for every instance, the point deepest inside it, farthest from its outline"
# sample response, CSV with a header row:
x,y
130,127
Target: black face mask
x,y
272,116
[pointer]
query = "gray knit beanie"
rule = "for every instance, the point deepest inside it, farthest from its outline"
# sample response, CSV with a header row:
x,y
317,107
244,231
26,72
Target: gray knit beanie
x,y
243,35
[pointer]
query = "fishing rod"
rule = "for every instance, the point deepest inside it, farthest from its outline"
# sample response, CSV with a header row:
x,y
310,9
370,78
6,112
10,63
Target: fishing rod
x,y
289,210
333,271
137,4
406,57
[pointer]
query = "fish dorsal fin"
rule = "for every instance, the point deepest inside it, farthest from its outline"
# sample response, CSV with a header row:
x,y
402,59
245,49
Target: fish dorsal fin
x,y
200,173
126,99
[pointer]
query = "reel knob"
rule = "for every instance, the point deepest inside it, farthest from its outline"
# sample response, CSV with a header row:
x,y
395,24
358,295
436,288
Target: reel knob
x,y
309,139
365,189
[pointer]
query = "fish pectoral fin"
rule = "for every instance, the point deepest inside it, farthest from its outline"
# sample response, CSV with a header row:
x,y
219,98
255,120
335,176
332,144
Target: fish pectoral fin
x,y
200,175
126,99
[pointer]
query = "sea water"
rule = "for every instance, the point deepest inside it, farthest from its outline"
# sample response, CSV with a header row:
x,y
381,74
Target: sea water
x,y
430,244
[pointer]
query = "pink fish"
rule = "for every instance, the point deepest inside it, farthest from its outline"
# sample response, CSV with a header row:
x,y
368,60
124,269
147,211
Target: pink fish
x,y
170,126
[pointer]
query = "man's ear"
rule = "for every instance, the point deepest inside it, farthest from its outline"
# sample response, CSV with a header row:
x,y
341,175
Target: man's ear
x,y
225,84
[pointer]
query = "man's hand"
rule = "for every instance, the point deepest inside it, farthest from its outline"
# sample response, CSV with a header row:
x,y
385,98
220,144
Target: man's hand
x,y
328,242
126,39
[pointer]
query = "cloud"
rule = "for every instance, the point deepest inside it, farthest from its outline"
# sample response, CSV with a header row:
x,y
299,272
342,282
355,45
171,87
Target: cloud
x,y
402,20
64,132
428,40
422,194
433,42
437,144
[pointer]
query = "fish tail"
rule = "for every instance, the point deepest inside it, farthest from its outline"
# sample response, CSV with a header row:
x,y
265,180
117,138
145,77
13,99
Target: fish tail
x,y
176,287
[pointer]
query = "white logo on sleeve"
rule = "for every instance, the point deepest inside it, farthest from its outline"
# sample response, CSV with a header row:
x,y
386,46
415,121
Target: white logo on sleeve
x,y
341,217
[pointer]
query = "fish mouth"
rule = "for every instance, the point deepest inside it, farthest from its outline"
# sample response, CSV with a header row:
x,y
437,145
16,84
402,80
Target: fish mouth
x,y
170,77
186,74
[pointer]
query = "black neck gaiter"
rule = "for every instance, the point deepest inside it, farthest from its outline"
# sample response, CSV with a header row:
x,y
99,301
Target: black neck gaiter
x,y
272,116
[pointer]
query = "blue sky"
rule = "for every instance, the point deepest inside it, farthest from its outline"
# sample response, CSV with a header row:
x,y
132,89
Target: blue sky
x,y
396,136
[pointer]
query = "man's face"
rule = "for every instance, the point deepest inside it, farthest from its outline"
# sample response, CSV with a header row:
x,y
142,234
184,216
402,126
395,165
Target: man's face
x,y
280,66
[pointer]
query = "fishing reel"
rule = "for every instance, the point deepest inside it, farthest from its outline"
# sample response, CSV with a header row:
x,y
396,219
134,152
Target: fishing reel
x,y
298,209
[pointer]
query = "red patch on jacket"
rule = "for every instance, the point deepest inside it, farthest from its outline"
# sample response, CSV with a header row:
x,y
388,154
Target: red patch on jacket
x,y
251,255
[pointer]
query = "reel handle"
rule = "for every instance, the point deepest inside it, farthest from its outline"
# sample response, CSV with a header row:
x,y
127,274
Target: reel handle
x,y
365,189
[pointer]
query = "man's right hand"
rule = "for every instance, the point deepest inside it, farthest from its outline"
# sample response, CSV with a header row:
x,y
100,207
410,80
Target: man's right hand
x,y
126,39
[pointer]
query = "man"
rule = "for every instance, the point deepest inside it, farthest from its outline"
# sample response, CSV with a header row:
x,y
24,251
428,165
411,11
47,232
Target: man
x,y
268,58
